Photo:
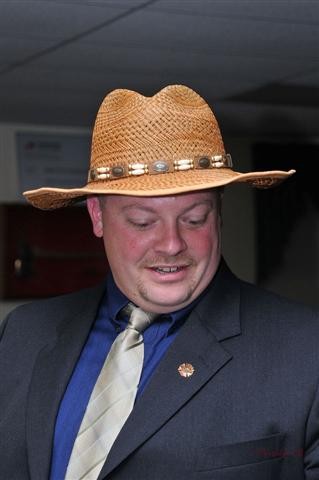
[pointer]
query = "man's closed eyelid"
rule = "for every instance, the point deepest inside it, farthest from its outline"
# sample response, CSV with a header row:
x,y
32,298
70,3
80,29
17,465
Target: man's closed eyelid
x,y
140,223
196,221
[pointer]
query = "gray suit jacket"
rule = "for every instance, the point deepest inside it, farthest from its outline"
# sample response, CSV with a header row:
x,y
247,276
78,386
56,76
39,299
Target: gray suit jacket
x,y
250,411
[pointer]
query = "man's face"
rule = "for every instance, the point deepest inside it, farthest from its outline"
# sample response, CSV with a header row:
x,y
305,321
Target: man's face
x,y
163,251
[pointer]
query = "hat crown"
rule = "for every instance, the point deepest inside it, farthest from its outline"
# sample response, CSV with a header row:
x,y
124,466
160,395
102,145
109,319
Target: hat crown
x,y
174,123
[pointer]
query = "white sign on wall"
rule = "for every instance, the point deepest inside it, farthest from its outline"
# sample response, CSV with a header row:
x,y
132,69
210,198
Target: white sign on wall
x,y
52,160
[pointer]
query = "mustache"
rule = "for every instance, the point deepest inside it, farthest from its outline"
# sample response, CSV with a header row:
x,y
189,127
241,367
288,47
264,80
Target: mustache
x,y
168,261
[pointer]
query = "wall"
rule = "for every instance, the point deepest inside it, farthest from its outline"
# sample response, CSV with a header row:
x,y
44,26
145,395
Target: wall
x,y
298,276
238,232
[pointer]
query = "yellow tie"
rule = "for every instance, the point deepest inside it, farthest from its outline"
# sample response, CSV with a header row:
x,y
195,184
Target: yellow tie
x,y
112,399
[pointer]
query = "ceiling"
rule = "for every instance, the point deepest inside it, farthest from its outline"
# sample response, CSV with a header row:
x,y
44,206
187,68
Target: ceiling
x,y
255,61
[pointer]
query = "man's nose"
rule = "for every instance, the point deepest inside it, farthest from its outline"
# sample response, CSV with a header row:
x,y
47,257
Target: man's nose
x,y
171,240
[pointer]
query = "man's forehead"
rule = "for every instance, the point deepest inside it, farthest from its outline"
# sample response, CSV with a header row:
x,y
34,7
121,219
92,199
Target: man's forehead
x,y
184,200
144,200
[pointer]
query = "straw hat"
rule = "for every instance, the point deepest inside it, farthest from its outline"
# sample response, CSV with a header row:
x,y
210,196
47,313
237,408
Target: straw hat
x,y
149,146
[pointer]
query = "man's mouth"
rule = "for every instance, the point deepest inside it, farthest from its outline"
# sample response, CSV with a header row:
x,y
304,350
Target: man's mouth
x,y
165,270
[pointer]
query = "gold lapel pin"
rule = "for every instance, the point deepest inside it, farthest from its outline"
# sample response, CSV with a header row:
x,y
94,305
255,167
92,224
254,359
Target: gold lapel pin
x,y
186,370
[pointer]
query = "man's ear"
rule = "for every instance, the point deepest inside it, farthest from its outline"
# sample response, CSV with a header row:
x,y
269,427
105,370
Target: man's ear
x,y
95,212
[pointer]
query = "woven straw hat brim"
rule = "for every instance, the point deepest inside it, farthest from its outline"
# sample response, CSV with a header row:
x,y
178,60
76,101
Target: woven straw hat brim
x,y
47,198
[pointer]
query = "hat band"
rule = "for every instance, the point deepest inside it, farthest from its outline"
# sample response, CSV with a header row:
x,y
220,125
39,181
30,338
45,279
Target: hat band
x,y
200,162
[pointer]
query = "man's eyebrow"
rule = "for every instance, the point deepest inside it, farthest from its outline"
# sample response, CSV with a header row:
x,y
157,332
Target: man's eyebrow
x,y
209,202
140,207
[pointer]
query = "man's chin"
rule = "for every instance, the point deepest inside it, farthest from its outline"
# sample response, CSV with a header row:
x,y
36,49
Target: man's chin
x,y
166,303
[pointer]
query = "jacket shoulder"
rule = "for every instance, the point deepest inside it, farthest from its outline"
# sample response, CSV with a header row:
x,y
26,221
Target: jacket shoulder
x,y
271,309
46,314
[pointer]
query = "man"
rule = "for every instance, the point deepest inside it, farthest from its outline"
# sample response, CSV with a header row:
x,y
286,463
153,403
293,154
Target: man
x,y
221,380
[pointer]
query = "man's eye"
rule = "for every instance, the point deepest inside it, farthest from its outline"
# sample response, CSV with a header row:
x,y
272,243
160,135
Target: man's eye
x,y
139,224
194,222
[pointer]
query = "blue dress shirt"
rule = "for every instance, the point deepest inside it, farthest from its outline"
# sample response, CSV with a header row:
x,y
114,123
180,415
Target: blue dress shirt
x,y
108,324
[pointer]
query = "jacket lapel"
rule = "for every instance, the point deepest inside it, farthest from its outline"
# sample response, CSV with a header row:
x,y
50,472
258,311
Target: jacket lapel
x,y
214,319
51,374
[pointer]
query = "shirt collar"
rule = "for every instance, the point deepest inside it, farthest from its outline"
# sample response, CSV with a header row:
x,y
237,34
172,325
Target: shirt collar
x,y
114,299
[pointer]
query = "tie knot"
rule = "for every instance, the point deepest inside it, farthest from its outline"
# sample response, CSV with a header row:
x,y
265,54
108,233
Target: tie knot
x,y
139,320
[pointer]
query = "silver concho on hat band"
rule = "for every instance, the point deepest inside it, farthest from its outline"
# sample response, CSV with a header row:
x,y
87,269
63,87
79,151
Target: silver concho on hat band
x,y
200,162
160,166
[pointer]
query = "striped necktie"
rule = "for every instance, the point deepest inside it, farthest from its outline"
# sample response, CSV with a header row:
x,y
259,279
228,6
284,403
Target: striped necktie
x,y
112,399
